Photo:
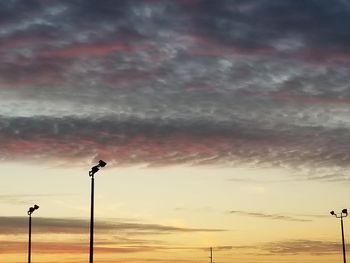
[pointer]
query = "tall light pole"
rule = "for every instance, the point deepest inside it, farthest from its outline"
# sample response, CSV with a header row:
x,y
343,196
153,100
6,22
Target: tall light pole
x,y
30,212
344,213
211,255
92,172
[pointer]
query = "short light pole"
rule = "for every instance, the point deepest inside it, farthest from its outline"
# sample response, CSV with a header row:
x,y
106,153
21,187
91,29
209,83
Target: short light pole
x,y
30,212
92,172
344,213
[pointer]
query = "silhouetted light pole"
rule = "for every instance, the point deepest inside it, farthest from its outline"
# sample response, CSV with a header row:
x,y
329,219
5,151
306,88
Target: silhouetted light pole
x,y
211,255
344,213
92,172
30,212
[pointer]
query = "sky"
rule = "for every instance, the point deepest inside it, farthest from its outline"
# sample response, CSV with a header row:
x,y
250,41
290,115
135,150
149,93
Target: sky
x,y
224,124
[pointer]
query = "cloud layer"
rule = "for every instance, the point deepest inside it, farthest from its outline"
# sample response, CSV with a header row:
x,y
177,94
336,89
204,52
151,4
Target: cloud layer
x,y
18,225
114,236
173,82
303,246
270,216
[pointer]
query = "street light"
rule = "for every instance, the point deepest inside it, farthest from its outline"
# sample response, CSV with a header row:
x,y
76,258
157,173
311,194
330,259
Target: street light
x,y
92,172
30,212
344,213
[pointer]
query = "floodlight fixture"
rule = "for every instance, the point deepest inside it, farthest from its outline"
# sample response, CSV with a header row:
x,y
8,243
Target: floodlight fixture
x,y
32,209
96,168
102,163
344,213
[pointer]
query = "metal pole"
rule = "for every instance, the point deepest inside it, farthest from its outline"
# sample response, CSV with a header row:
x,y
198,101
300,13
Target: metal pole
x,y
30,237
211,255
342,236
92,221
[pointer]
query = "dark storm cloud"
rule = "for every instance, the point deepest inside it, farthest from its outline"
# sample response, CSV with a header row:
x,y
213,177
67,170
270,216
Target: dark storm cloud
x,y
18,225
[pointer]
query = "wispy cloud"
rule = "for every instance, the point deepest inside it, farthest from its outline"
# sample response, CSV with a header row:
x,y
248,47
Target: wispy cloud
x,y
18,225
288,247
27,199
76,247
270,216
303,246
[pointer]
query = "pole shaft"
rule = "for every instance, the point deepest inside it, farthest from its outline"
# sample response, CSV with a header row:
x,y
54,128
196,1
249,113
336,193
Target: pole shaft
x,y
211,255
30,238
92,222
343,239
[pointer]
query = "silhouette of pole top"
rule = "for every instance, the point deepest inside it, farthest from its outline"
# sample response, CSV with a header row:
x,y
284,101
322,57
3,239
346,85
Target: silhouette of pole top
x,y
32,209
344,211
96,168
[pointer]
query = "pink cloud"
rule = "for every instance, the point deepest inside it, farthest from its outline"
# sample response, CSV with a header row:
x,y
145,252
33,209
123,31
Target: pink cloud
x,y
18,42
93,50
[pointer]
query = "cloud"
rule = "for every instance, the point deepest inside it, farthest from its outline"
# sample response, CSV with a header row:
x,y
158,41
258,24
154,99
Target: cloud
x,y
21,199
128,141
256,23
18,225
75,247
114,236
293,247
288,247
270,216
228,248
177,82
15,199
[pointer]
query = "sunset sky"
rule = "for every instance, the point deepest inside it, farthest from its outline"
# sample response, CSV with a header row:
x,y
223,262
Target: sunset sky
x,y
224,123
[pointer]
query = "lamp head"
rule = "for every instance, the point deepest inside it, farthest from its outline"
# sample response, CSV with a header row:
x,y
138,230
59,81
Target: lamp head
x,y
345,211
332,213
96,168
32,209
102,163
